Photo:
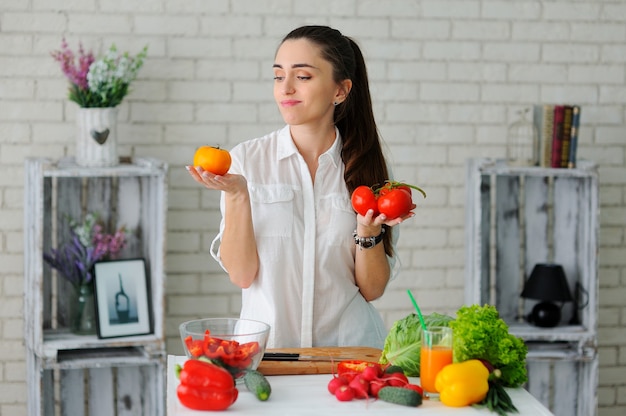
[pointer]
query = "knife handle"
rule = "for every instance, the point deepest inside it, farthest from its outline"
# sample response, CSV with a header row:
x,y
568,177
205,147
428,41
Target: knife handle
x,y
281,356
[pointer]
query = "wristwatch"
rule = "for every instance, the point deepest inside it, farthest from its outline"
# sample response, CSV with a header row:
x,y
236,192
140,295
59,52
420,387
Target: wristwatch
x,y
368,242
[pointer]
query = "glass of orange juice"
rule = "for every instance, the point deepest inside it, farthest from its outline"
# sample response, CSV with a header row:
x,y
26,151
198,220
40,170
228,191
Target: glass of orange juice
x,y
436,353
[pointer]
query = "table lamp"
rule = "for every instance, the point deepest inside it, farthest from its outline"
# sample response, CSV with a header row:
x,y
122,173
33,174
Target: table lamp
x,y
547,283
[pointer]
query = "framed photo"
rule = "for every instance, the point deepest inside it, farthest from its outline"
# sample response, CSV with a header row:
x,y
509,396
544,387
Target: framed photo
x,y
121,297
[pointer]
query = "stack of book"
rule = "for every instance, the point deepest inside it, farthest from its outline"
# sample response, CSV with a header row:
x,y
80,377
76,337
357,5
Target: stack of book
x,y
557,127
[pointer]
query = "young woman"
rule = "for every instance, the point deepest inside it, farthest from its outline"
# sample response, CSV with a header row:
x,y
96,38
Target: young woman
x,y
289,236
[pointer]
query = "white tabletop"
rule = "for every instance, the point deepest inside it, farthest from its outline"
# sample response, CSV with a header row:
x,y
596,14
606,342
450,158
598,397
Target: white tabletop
x,y
307,395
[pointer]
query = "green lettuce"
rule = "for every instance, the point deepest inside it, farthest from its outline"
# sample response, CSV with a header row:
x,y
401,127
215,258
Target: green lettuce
x,y
404,341
480,333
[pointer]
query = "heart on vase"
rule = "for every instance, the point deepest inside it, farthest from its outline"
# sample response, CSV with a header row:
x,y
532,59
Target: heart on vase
x,y
100,136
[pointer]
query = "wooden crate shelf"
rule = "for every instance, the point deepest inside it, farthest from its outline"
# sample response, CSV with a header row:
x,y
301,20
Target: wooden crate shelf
x,y
72,374
517,217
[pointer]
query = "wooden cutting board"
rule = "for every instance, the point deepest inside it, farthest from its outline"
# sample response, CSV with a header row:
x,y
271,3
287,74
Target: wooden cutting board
x,y
274,368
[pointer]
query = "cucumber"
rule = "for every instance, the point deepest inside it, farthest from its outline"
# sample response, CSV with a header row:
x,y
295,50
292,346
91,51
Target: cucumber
x,y
394,369
400,395
257,384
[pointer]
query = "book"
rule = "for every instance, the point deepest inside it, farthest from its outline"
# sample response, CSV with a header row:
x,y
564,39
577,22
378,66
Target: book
x,y
574,136
543,118
557,136
567,131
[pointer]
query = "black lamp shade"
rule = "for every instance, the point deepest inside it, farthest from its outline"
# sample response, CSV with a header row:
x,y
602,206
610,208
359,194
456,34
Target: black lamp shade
x,y
547,282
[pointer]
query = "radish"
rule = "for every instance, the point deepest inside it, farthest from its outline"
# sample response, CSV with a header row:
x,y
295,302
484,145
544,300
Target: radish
x,y
396,379
344,393
335,383
375,386
360,386
371,373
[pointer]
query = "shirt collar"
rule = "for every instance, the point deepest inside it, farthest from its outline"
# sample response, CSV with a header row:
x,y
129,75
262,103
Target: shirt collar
x,y
287,148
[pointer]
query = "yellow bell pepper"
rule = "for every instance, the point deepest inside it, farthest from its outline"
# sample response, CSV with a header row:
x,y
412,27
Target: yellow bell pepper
x,y
462,384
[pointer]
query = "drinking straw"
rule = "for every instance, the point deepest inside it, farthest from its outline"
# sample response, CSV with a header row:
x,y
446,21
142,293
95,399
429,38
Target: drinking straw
x,y
417,308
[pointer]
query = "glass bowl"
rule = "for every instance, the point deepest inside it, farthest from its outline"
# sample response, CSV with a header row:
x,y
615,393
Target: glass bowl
x,y
235,344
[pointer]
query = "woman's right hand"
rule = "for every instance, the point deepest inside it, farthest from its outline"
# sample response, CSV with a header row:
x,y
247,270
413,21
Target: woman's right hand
x,y
229,183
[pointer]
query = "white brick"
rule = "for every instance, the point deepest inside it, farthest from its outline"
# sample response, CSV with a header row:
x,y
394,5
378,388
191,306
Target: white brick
x,y
167,25
481,30
564,10
34,22
398,8
99,23
510,93
124,6
460,92
615,11
199,48
451,9
219,69
613,54
458,51
226,112
236,26
511,52
15,44
571,53
422,29
325,8
405,50
417,71
511,10
68,5
605,74
535,73
250,92
553,31
483,71
197,7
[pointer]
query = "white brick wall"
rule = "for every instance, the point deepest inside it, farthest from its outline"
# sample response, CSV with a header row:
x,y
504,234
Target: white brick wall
x,y
447,78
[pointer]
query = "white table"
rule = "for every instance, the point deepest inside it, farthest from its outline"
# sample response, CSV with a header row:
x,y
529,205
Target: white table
x,y
307,395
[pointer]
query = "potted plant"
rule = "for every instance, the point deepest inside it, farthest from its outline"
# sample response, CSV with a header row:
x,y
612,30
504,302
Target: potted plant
x,y
98,86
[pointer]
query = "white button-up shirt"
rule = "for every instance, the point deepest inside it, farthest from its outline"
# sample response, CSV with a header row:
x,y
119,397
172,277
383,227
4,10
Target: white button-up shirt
x,y
305,287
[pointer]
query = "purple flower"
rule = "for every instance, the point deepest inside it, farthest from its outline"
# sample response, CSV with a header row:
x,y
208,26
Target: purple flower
x,y
74,259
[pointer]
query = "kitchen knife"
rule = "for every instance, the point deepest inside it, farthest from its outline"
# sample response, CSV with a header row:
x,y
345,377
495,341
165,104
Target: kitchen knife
x,y
294,356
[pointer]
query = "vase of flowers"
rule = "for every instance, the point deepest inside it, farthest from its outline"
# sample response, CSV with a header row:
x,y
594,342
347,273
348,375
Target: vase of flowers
x,y
98,86
88,243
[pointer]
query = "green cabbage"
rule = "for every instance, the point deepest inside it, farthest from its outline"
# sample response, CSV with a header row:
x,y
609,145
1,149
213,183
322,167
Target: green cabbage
x,y
404,341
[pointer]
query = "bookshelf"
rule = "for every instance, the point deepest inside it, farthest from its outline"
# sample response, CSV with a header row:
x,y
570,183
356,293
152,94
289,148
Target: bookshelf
x,y
72,374
517,217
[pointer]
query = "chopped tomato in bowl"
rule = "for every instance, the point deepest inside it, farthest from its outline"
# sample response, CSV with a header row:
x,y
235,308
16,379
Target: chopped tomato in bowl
x,y
235,344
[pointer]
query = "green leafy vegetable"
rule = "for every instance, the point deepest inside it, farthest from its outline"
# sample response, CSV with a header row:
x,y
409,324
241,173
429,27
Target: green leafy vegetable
x,y
404,341
480,333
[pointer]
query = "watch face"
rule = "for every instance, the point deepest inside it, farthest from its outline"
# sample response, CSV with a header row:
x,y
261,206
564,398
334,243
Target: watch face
x,y
367,244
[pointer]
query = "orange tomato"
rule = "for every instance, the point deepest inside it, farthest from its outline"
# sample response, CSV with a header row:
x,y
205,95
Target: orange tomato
x,y
212,159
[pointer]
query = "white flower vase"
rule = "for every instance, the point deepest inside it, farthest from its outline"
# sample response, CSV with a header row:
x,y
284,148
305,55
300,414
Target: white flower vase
x,y
96,137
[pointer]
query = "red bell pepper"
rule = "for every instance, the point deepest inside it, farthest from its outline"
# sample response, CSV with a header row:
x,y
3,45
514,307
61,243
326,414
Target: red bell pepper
x,y
205,386
351,368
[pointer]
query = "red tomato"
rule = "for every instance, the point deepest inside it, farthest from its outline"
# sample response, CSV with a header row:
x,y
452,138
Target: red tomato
x,y
364,199
395,203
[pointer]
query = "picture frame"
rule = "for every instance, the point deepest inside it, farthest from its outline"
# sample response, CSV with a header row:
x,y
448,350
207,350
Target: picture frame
x,y
121,298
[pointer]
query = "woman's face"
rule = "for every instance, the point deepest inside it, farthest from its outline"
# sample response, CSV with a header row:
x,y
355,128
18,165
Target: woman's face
x,y
304,88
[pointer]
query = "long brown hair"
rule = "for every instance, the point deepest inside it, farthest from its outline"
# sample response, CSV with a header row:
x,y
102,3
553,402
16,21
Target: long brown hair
x,y
362,152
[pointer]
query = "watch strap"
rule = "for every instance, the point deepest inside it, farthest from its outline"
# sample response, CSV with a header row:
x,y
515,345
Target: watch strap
x,y
368,242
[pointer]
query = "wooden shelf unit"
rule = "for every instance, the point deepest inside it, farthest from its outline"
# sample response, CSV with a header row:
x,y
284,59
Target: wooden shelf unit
x,y
517,217
72,374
